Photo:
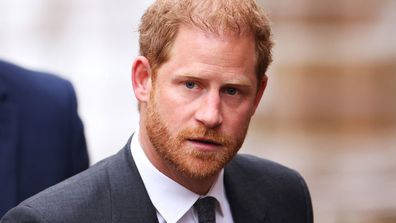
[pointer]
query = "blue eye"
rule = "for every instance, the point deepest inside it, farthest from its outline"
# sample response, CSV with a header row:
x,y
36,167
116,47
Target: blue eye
x,y
231,91
190,84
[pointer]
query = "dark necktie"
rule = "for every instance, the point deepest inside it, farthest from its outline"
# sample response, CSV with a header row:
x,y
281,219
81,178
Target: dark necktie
x,y
205,208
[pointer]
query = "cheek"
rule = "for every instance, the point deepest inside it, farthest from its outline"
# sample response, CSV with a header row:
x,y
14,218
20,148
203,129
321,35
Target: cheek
x,y
240,113
234,120
174,111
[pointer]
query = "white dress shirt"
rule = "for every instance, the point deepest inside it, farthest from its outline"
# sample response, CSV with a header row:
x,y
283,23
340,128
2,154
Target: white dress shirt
x,y
173,202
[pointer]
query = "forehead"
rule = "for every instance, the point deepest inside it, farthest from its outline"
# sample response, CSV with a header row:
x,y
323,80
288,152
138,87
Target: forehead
x,y
204,41
196,49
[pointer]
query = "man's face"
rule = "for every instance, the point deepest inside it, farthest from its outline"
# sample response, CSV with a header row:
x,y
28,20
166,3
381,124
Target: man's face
x,y
201,102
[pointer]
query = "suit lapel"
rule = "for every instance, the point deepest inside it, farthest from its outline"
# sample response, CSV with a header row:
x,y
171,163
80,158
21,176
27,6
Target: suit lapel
x,y
246,205
8,149
130,201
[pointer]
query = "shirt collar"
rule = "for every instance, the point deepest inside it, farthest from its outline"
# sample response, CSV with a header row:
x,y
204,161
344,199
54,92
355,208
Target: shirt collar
x,y
170,199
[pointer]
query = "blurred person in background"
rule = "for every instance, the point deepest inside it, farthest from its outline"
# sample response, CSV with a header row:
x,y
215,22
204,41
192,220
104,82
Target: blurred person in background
x,y
198,82
42,140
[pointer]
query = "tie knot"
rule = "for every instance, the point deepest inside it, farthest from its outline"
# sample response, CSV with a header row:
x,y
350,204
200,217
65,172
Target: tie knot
x,y
205,208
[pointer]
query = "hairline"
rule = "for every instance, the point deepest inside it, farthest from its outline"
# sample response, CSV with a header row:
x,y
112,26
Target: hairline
x,y
218,33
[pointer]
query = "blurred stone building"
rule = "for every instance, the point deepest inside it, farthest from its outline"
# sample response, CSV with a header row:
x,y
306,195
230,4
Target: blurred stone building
x,y
330,108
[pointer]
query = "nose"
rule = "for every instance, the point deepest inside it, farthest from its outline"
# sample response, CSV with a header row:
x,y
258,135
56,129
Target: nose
x,y
209,112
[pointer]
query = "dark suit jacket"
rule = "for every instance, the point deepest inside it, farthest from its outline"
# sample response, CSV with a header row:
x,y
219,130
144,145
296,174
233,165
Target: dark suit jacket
x,y
41,136
112,191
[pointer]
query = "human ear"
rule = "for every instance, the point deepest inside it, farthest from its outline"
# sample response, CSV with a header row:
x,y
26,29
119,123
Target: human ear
x,y
141,78
260,91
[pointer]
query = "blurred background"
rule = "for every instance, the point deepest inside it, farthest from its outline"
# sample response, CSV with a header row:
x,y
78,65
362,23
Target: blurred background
x,y
329,110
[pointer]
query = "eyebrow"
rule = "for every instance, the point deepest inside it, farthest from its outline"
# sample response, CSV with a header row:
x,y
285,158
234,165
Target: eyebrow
x,y
237,82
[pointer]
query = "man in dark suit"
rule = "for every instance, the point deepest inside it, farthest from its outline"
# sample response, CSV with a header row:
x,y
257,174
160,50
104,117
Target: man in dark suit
x,y
198,82
41,136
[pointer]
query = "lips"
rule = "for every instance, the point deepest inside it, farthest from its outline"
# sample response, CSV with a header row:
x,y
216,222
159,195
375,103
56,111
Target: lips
x,y
206,141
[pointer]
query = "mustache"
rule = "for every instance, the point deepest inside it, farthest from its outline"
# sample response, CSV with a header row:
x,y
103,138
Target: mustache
x,y
201,133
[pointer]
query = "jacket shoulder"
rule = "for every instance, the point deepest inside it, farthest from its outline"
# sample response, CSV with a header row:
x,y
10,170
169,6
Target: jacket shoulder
x,y
270,186
266,173
84,197
18,76
109,191
35,88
